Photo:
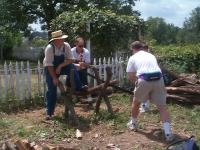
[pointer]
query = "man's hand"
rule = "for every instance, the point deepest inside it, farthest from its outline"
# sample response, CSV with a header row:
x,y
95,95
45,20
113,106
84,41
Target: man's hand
x,y
58,69
82,65
55,81
132,77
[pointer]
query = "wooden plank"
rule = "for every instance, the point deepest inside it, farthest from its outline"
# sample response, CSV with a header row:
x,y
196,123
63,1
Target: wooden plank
x,y
23,82
95,63
100,68
1,88
11,80
116,73
104,68
182,90
113,67
6,81
39,78
29,80
17,81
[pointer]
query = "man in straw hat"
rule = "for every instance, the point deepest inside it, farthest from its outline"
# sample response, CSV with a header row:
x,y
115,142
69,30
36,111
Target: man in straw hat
x,y
58,60
143,68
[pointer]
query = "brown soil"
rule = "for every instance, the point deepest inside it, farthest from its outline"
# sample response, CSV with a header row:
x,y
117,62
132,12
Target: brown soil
x,y
101,136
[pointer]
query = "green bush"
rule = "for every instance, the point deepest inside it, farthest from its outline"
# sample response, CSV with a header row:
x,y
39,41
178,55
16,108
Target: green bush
x,y
39,42
179,59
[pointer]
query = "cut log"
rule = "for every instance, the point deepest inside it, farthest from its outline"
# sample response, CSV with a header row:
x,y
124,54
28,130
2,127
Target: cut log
x,y
185,79
20,145
10,146
101,86
182,90
184,98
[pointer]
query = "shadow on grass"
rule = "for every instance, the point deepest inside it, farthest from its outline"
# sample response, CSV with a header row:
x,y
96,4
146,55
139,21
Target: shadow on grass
x,y
158,136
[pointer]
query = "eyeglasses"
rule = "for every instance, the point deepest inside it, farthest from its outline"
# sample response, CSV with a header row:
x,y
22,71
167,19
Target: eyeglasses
x,y
80,46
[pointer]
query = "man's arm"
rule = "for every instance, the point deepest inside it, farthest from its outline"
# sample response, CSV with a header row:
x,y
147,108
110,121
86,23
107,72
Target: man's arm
x,y
65,63
132,77
68,58
53,75
87,60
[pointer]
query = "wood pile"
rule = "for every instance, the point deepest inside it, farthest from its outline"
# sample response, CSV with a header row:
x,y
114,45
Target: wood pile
x,y
26,145
185,88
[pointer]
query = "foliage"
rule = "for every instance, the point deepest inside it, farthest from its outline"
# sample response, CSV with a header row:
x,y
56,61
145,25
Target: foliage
x,y
158,30
18,13
37,42
8,40
108,31
15,16
181,59
191,28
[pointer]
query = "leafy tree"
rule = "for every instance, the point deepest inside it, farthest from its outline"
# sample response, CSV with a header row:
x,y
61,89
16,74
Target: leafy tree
x,y
157,29
12,20
27,11
17,14
191,28
109,32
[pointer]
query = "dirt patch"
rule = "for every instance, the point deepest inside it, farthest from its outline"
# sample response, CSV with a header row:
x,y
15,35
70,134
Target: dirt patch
x,y
101,135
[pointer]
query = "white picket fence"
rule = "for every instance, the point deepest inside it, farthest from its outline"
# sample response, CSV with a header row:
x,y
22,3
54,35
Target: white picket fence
x,y
19,81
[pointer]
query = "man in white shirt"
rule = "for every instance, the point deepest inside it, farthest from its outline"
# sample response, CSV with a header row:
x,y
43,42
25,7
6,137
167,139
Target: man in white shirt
x,y
143,69
82,59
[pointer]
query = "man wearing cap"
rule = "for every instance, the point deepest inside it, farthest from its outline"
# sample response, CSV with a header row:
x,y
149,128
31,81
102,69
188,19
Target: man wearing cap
x,y
143,69
58,61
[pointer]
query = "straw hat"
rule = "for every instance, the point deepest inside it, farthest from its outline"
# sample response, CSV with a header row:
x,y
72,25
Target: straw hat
x,y
57,35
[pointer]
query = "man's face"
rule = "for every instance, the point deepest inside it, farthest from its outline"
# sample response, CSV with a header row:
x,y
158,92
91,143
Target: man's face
x,y
59,42
80,45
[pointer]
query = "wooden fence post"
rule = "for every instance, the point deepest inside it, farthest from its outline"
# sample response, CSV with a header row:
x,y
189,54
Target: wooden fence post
x,y
104,69
29,80
23,82
113,68
1,88
100,68
11,80
95,63
17,81
6,81
39,78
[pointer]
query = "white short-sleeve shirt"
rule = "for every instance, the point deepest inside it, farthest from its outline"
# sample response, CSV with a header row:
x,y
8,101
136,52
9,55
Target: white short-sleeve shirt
x,y
142,62
85,55
51,50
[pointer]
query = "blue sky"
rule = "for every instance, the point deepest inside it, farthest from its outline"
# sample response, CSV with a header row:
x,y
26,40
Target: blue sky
x,y
173,11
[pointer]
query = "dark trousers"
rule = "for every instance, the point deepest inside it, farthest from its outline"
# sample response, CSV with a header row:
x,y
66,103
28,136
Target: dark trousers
x,y
51,94
83,76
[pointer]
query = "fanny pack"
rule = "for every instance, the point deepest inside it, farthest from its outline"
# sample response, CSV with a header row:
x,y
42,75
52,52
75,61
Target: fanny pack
x,y
151,76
